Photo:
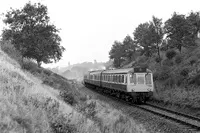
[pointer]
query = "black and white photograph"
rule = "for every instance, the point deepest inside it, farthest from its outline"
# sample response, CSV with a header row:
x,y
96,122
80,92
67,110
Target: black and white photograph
x,y
100,66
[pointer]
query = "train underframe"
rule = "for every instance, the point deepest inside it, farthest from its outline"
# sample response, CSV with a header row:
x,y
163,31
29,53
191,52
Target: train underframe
x,y
135,97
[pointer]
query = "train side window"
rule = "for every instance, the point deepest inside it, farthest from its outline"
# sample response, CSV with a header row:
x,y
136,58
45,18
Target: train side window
x,y
122,78
125,79
119,78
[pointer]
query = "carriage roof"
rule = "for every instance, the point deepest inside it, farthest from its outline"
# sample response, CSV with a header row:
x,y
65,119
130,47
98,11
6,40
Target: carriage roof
x,y
116,71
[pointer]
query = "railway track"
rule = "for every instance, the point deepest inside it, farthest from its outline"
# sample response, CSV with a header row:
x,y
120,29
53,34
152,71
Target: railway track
x,y
191,122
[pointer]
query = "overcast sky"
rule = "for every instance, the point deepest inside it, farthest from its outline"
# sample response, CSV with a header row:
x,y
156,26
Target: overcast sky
x,y
89,27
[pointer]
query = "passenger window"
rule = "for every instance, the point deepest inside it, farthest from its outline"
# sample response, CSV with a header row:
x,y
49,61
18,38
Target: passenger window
x,y
125,79
122,78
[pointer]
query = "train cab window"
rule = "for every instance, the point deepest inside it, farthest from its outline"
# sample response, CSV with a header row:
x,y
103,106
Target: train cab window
x,y
148,78
133,78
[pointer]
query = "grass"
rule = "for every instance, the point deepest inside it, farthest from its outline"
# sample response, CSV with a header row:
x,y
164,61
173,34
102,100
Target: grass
x,y
25,104
109,119
34,99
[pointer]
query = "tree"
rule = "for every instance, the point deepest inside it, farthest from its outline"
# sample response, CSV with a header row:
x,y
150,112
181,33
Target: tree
x,y
143,37
179,31
194,20
157,33
32,34
129,47
116,53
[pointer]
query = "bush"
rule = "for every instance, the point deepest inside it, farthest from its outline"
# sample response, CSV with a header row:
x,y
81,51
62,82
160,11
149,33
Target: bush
x,y
158,59
31,66
47,72
167,62
68,97
178,59
156,76
9,49
193,60
142,59
163,73
184,72
60,125
170,54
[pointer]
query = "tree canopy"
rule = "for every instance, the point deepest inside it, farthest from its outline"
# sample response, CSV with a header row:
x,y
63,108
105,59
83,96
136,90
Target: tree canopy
x,y
149,37
30,31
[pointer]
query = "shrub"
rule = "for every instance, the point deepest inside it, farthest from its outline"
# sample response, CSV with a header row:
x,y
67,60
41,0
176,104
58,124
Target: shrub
x,y
142,59
156,76
193,60
158,59
167,62
29,65
47,72
195,80
184,72
164,73
170,54
178,59
170,82
9,49
60,125
68,97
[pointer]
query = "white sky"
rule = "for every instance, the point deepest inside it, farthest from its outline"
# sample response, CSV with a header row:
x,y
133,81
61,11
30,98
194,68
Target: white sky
x,y
89,27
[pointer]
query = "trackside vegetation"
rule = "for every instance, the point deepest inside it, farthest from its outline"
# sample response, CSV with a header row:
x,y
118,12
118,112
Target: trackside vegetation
x,y
171,49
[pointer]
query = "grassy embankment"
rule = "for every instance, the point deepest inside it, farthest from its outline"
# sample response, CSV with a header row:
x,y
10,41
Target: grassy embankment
x,y
34,99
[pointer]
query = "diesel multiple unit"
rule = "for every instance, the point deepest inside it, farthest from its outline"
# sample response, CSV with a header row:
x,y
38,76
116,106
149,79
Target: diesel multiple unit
x,y
135,82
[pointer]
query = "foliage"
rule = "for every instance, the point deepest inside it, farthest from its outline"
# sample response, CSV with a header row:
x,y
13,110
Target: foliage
x,y
157,33
178,59
167,62
170,54
180,31
193,60
158,59
32,34
143,37
31,66
129,47
68,97
116,53
184,72
8,48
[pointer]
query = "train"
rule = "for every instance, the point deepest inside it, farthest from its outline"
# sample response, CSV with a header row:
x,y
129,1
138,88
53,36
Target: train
x,y
134,83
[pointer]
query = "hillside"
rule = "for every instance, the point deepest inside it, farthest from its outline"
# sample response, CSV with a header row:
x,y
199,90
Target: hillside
x,y
28,104
35,99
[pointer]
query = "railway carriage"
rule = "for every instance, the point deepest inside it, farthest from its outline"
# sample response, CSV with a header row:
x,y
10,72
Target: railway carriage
x,y
135,82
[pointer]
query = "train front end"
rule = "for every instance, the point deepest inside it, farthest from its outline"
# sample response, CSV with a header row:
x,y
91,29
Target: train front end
x,y
140,84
